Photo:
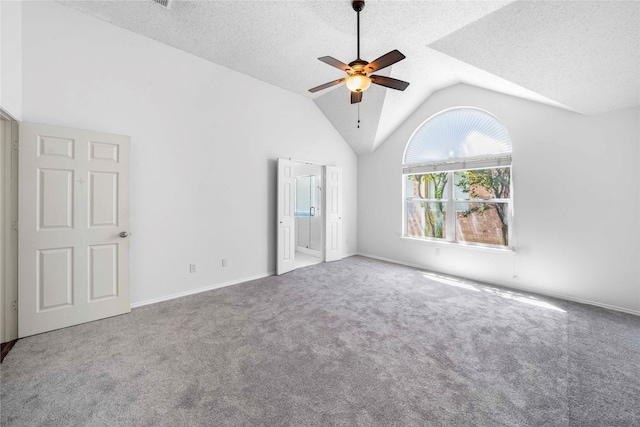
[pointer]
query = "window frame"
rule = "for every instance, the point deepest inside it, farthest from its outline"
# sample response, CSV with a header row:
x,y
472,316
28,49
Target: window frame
x,y
450,202
501,159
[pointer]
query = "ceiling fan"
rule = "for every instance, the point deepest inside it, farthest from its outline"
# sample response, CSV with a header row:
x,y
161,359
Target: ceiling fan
x,y
359,70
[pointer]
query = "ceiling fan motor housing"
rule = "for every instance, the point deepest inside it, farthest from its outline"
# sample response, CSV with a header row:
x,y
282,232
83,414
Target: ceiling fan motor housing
x,y
358,64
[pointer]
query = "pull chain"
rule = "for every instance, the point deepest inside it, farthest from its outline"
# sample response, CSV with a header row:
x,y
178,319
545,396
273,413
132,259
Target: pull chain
x,y
358,115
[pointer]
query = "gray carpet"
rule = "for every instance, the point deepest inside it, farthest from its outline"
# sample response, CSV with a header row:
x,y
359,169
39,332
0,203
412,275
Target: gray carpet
x,y
355,342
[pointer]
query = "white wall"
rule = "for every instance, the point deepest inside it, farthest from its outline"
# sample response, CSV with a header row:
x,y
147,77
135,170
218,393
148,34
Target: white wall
x,y
10,57
204,144
576,200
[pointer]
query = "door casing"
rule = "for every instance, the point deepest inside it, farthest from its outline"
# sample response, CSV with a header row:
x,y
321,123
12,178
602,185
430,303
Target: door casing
x,y
332,222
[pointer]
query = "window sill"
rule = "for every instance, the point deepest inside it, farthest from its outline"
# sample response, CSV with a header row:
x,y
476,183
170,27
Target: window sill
x,y
461,244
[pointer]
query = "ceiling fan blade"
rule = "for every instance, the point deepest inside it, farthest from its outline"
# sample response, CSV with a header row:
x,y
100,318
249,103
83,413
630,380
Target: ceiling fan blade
x,y
335,63
389,82
326,85
385,60
356,97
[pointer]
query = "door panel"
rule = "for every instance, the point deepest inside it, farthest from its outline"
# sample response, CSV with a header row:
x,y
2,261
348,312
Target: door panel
x,y
285,261
51,146
73,203
55,199
103,269
55,278
333,238
103,151
103,199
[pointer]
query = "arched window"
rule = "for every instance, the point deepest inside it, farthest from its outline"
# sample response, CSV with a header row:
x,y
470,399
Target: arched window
x,y
457,175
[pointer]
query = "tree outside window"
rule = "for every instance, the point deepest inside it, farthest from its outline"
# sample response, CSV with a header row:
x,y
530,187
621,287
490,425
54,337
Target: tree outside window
x,y
481,200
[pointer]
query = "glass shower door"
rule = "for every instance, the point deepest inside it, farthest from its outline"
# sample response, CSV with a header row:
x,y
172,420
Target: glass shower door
x,y
308,219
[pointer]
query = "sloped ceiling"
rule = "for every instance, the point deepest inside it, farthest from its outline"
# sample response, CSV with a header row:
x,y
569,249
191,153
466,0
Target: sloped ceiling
x,y
578,55
585,55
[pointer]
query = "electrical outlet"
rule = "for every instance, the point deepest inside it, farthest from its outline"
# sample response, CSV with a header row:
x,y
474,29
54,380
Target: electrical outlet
x,y
225,262
192,268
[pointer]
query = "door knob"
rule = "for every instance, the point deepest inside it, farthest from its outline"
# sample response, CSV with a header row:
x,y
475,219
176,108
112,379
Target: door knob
x,y
124,234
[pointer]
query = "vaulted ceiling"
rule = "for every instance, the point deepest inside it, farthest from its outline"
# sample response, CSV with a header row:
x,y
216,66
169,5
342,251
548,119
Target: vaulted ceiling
x,y
582,56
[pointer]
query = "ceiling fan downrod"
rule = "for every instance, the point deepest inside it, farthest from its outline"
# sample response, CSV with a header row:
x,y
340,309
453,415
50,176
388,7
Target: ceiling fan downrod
x,y
358,5
359,64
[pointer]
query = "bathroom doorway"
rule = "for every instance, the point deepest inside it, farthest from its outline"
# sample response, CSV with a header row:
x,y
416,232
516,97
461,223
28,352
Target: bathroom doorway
x,y
308,214
309,219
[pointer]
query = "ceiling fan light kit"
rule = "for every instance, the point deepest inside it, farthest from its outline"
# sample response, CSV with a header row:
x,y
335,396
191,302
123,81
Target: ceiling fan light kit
x,y
359,71
358,82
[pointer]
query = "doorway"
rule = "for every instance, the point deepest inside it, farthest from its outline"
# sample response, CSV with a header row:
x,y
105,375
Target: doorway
x,y
8,230
308,214
309,201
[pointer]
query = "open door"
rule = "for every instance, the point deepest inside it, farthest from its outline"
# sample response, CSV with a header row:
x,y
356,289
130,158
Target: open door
x,y
333,210
286,218
73,250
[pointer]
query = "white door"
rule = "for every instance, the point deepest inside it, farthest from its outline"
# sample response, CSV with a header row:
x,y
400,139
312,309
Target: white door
x,y
73,250
333,210
286,218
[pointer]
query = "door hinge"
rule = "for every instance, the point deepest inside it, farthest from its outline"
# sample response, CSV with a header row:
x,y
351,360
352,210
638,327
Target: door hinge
x,y
14,305
14,225
14,145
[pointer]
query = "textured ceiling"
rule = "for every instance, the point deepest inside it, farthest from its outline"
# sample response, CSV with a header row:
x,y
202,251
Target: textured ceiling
x,y
580,56
585,55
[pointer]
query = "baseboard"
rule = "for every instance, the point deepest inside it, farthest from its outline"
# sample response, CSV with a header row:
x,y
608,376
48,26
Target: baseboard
x,y
508,285
209,288
199,290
